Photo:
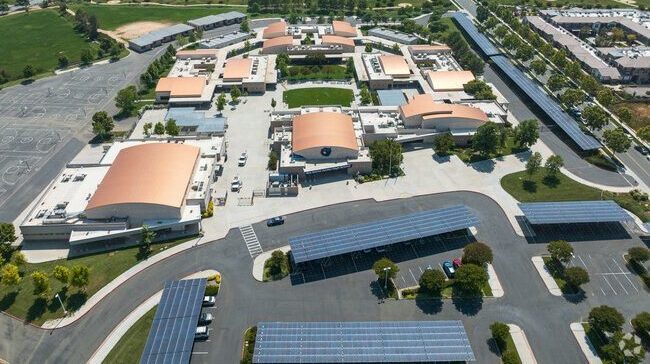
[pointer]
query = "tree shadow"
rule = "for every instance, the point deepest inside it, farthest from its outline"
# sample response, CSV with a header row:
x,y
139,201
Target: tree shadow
x,y
377,290
26,82
76,300
493,346
36,310
529,186
467,302
551,181
428,305
8,300
575,297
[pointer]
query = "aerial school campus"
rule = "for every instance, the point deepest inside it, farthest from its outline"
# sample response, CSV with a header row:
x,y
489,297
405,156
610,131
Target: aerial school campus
x,y
325,182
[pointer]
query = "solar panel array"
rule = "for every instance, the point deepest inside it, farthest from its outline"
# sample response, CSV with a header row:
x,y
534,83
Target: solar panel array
x,y
362,342
171,336
574,212
550,107
379,233
479,39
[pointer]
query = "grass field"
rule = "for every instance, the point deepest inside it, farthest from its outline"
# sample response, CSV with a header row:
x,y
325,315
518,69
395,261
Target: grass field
x,y
112,17
468,155
37,38
640,113
318,96
130,347
21,302
326,72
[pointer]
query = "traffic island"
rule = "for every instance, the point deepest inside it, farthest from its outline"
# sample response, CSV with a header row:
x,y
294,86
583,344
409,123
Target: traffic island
x,y
248,348
261,266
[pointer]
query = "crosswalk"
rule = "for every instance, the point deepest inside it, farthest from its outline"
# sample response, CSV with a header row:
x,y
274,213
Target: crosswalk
x,y
250,238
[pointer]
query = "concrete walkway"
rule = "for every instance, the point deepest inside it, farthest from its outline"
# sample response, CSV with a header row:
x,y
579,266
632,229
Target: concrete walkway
x,y
493,281
548,280
521,344
258,263
114,337
584,343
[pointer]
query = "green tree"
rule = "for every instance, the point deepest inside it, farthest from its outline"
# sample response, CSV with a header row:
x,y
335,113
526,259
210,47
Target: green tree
x,y
605,96
221,101
29,71
386,157
538,66
482,13
560,251
235,93
4,7
556,82
553,165
368,48
470,278
432,280
86,57
10,276
644,133
559,58
79,276
273,103
527,133
606,319
41,283
63,60
146,238
639,254
533,163
576,276
277,263
62,274
171,128
500,333
102,124
500,31
477,253
641,325
126,98
487,138
385,268
589,84
395,48
18,258
572,97
617,140
366,97
443,144
625,115
23,4
573,70
7,237
159,128
595,117
479,89
244,26
525,52
147,128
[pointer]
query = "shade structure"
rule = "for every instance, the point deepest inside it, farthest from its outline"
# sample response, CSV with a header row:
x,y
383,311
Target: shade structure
x,y
574,212
477,37
171,336
381,232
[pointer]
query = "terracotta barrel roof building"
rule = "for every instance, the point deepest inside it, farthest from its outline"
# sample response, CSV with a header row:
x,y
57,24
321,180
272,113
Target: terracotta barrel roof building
x,y
324,135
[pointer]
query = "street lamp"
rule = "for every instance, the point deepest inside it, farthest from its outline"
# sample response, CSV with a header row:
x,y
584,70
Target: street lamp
x,y
386,277
65,312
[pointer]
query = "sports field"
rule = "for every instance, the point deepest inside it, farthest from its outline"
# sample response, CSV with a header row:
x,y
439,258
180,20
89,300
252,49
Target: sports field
x,y
112,17
36,38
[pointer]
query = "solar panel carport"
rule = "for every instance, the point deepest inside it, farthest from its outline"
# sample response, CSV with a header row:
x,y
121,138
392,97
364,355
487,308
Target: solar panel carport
x,y
362,342
171,336
478,38
353,238
574,212
544,102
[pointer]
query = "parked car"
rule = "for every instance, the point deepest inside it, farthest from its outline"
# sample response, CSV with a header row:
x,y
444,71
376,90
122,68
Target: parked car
x,y
205,318
209,300
457,262
201,333
242,159
278,220
449,269
641,149
236,184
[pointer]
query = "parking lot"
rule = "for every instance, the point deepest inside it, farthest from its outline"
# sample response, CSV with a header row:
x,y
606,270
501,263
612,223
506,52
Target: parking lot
x,y
608,275
541,234
201,348
411,257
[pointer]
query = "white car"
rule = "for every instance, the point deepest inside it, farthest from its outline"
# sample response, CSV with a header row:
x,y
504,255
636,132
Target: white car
x,y
236,184
209,300
242,159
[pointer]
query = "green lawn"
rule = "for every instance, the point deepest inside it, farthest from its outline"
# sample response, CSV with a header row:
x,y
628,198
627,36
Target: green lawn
x,y
539,189
467,155
448,292
318,96
510,347
37,38
129,349
20,301
326,72
112,17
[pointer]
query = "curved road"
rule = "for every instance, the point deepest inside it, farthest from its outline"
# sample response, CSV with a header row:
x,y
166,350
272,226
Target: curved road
x,y
243,301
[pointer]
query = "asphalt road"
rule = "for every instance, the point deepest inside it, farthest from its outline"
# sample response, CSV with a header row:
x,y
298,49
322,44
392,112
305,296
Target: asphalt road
x,y
243,302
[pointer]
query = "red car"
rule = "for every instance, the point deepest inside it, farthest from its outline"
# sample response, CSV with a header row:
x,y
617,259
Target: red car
x,y
457,263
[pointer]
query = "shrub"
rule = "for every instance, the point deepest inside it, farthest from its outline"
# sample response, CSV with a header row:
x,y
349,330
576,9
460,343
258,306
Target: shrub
x,y
470,278
477,253
560,250
639,254
500,332
211,290
209,211
641,325
432,280
576,276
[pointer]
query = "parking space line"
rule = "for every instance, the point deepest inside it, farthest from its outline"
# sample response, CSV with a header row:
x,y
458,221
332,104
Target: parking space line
x,y
626,275
616,278
199,353
414,280
610,286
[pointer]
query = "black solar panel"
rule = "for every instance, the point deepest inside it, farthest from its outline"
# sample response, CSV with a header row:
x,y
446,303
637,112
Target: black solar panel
x,y
172,332
477,37
379,233
574,212
550,107
362,342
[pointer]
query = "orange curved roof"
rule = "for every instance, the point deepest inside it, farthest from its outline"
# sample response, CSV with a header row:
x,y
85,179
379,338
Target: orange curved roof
x,y
425,106
286,40
335,39
344,28
274,30
150,173
323,129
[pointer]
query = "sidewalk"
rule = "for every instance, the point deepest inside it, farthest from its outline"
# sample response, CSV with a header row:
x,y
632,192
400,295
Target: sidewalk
x,y
114,337
521,344
549,281
584,343
493,281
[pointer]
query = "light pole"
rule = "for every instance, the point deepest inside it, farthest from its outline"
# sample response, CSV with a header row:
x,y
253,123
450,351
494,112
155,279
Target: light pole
x,y
65,312
386,277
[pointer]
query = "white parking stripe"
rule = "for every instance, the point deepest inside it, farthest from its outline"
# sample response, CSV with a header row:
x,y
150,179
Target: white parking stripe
x,y
626,275
617,280
414,280
610,286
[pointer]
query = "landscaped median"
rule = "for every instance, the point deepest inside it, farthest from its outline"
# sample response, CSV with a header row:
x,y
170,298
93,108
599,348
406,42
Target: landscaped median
x,y
512,343
272,265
